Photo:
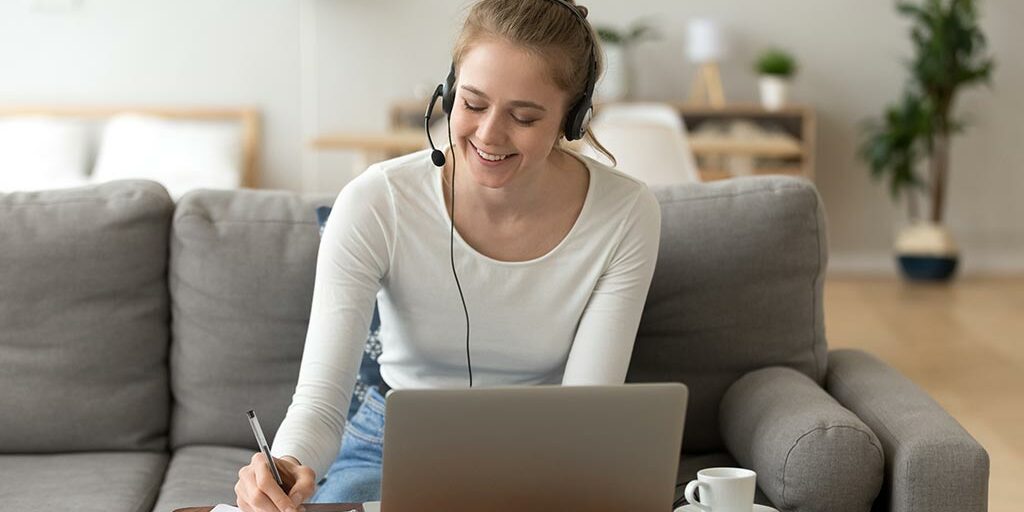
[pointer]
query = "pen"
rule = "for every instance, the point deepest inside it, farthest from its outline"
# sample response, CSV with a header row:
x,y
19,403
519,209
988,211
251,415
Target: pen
x,y
262,440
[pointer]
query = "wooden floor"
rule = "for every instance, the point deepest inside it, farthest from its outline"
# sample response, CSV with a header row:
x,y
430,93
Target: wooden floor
x,y
963,343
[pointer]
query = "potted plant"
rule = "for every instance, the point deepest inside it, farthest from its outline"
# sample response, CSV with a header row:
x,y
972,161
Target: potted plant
x,y
949,54
617,81
776,68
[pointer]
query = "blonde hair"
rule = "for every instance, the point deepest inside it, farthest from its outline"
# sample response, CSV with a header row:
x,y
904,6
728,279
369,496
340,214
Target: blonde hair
x,y
546,29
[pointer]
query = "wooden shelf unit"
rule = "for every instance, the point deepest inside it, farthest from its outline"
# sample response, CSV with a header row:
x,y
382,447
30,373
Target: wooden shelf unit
x,y
781,156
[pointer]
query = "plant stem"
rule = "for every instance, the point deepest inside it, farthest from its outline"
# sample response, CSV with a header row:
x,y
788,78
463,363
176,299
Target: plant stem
x,y
939,170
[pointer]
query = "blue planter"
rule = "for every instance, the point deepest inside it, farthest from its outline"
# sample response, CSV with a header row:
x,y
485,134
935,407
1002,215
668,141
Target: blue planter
x,y
928,268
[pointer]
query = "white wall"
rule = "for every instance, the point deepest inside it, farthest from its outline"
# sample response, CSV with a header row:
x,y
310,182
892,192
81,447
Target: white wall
x,y
315,66
162,52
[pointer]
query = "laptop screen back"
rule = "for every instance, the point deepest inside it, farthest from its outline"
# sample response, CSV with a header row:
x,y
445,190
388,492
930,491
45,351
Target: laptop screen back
x,y
571,448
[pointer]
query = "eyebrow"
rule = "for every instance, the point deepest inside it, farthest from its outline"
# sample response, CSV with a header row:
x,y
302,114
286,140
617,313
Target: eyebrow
x,y
516,103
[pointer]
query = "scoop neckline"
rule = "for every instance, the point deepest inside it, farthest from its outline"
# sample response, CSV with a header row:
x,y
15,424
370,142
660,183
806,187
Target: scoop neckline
x,y
438,177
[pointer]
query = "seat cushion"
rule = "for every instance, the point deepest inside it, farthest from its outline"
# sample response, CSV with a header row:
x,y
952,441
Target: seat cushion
x,y
84,319
737,287
201,475
83,482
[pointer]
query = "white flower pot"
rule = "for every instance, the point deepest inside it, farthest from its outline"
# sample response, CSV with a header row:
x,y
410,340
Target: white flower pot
x,y
613,86
926,252
773,92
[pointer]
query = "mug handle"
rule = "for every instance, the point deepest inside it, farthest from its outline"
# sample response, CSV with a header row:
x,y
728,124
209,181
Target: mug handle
x,y
688,493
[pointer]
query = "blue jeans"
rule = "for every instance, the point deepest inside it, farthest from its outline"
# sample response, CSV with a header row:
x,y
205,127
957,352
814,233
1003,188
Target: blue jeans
x,y
355,475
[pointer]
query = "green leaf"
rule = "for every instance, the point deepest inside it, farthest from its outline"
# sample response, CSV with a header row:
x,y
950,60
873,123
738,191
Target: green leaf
x,y
608,35
776,62
949,54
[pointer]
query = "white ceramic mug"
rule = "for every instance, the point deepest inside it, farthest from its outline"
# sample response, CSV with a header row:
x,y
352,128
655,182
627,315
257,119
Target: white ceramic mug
x,y
723,490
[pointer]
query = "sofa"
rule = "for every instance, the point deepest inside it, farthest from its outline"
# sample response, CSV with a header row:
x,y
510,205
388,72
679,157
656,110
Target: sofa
x,y
135,332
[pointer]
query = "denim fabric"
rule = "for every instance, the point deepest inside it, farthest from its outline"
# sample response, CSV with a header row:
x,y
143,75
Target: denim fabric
x,y
355,475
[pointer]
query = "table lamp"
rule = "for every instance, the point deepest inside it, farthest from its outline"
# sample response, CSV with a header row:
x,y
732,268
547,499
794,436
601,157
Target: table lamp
x,y
705,46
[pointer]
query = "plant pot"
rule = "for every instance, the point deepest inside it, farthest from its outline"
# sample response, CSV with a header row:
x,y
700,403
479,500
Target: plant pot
x,y
926,252
773,91
613,85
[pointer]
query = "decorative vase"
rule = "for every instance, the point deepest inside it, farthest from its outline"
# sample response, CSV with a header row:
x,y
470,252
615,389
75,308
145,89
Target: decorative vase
x,y
773,91
613,86
926,252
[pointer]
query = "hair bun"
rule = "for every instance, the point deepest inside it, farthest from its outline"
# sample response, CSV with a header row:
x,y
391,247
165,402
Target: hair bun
x,y
583,10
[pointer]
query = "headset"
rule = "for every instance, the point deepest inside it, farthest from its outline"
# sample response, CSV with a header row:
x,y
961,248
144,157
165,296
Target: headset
x,y
577,120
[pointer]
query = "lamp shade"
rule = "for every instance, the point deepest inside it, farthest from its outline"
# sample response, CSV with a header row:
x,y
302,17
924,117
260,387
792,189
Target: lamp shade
x,y
705,41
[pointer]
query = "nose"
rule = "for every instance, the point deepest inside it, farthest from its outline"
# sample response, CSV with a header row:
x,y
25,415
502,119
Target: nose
x,y
491,130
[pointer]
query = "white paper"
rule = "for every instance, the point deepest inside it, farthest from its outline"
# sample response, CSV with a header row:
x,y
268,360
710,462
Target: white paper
x,y
373,506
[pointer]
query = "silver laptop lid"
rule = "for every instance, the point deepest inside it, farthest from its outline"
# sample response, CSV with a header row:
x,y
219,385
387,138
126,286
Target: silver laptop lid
x,y
536,448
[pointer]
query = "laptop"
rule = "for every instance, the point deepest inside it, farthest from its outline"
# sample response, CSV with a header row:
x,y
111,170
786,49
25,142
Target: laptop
x,y
533,448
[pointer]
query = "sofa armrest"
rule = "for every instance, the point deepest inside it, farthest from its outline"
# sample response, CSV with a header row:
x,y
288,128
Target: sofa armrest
x,y
808,451
931,463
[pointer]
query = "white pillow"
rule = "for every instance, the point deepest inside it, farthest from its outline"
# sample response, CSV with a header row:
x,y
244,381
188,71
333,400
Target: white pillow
x,y
181,155
39,152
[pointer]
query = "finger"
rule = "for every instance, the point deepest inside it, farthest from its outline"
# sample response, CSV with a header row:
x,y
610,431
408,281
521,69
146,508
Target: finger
x,y
249,496
296,497
239,500
261,503
266,483
304,484
244,489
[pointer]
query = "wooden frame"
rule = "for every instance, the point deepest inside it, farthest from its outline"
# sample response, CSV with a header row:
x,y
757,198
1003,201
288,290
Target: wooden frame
x,y
249,119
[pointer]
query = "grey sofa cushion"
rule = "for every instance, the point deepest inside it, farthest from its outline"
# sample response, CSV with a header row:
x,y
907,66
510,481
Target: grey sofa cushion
x,y
83,319
83,482
737,287
809,452
201,475
241,280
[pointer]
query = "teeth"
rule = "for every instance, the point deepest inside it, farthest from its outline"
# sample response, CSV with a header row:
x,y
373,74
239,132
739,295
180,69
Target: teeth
x,y
490,157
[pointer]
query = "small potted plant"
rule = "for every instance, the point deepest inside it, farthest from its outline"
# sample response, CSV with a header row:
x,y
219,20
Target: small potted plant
x,y
617,81
776,68
916,132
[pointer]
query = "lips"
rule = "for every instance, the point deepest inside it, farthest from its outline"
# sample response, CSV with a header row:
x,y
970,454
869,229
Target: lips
x,y
491,159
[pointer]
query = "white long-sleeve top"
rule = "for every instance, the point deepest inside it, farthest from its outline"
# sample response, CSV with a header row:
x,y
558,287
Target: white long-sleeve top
x,y
569,316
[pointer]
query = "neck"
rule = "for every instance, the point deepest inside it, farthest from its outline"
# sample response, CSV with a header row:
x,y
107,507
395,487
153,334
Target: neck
x,y
527,193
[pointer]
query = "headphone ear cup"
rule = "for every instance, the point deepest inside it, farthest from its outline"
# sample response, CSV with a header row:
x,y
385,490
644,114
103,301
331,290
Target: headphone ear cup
x,y
577,120
570,122
448,99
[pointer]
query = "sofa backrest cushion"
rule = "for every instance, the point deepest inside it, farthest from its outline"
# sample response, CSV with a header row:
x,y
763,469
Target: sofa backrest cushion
x,y
83,319
737,287
241,279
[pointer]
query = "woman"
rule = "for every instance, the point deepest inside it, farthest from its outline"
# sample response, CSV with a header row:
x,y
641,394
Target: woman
x,y
554,255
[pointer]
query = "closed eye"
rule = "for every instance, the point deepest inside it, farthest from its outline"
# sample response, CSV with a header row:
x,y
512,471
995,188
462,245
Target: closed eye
x,y
524,122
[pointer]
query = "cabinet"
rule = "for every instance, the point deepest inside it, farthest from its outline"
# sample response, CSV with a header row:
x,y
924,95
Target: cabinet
x,y
750,139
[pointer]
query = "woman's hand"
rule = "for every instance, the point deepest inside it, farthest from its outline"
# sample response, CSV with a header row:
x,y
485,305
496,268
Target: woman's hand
x,y
256,490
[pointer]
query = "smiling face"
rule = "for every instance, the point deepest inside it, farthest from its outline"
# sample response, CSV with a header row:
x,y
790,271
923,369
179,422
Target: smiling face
x,y
507,116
